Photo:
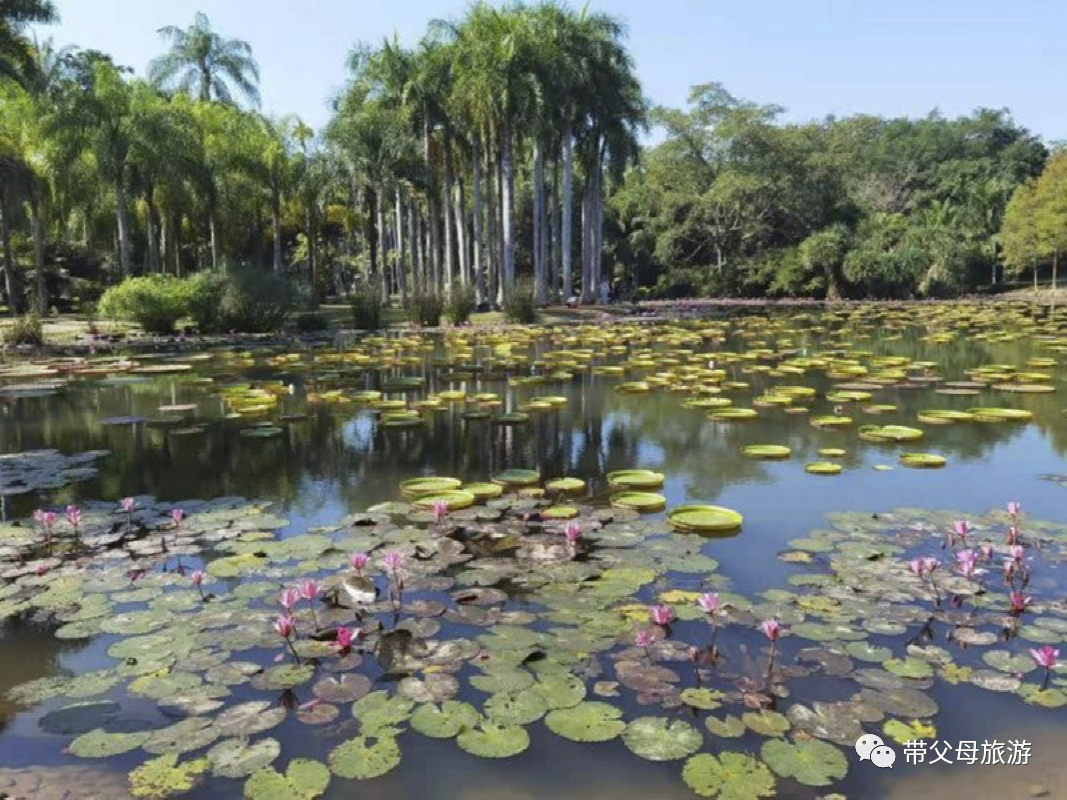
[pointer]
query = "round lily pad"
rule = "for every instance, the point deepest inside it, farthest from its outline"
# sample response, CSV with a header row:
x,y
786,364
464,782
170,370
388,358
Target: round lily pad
x,y
823,468
767,451
454,500
245,719
811,762
517,477
365,757
644,502
635,479
704,519
303,780
660,739
342,688
922,460
484,491
566,485
493,741
587,722
515,708
1001,414
165,777
417,487
728,776
560,512
238,758
98,743
444,721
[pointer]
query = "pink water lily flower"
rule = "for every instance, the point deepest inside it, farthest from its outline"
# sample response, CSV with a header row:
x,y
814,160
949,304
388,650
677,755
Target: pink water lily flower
x,y
986,551
662,614
74,516
961,528
967,562
344,640
309,590
127,504
1045,656
46,519
1014,508
1018,602
771,628
393,560
916,567
573,532
289,598
1013,535
644,637
359,561
709,602
1017,552
284,626
177,515
440,509
197,577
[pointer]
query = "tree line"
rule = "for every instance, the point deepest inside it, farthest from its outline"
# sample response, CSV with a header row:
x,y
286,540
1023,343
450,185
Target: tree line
x,y
504,145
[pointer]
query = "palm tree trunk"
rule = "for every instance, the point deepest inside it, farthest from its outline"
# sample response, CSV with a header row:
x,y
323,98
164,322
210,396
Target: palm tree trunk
x,y
476,168
492,224
422,236
313,251
123,213
566,234
1055,266
461,234
37,226
446,219
538,221
508,208
383,256
178,248
587,228
598,228
276,229
12,290
413,247
401,264
552,247
151,232
164,242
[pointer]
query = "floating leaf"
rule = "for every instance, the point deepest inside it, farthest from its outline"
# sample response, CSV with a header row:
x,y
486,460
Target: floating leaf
x,y
444,721
729,776
238,758
184,736
164,776
303,780
78,718
901,732
587,722
493,741
730,727
98,743
515,708
249,718
811,762
767,723
660,739
702,698
343,688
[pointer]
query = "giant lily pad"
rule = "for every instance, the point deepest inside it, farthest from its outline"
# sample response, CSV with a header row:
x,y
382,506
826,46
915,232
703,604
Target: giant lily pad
x,y
704,519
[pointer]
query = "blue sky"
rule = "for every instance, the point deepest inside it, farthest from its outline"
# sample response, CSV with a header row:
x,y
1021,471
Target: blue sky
x,y
814,57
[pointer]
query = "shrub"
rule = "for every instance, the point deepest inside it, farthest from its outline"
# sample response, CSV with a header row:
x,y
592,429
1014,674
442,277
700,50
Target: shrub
x,y
312,322
425,308
460,305
25,330
366,302
245,299
155,302
520,306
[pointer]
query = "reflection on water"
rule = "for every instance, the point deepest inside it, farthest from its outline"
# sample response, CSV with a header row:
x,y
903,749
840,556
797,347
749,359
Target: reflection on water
x,y
338,460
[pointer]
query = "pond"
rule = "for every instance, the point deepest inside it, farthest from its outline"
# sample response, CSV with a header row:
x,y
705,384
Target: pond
x,y
496,654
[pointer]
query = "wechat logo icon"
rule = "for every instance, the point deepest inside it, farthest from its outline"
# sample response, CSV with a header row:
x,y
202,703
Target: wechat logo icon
x,y
872,748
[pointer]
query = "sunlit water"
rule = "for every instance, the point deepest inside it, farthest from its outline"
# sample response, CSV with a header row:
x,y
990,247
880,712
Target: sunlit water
x,y
338,461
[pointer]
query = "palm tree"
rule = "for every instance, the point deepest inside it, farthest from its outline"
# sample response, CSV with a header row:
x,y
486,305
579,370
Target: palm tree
x,y
203,60
17,60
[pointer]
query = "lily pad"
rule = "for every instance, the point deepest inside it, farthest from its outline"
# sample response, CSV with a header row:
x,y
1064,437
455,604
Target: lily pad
x,y
587,722
238,758
444,721
728,776
704,519
493,741
811,762
246,719
365,757
98,743
164,776
303,780
660,739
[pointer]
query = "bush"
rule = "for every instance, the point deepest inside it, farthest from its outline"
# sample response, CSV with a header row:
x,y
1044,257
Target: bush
x,y
246,299
25,330
460,305
155,302
312,322
367,307
520,307
425,308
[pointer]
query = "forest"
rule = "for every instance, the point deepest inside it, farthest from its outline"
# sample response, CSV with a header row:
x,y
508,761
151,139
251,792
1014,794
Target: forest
x,y
511,151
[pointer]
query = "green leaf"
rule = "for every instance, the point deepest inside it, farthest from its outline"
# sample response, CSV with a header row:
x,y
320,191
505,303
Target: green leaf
x,y
730,727
444,721
766,723
304,780
901,732
238,758
99,743
518,708
811,762
730,776
164,776
365,757
587,722
704,699
493,741
660,739
380,710
248,718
